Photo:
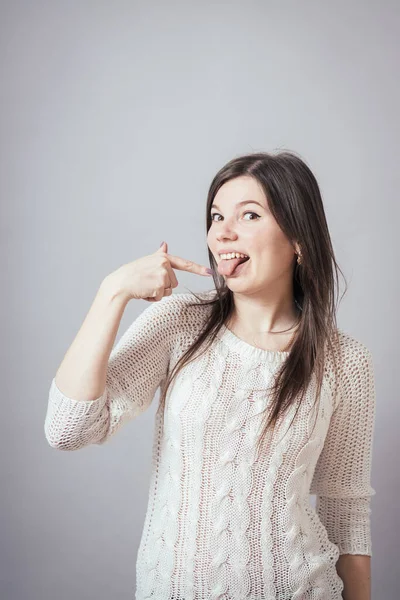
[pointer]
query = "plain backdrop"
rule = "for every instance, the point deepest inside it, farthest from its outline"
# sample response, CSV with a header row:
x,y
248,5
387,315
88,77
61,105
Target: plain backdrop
x,y
115,116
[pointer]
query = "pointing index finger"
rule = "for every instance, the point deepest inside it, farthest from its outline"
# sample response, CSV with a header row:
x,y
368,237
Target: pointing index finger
x,y
187,265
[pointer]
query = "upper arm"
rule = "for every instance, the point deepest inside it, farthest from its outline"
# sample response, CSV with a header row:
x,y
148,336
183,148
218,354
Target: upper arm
x,y
342,477
136,367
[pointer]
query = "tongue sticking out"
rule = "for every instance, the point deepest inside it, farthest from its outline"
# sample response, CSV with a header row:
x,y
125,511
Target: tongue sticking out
x,y
227,266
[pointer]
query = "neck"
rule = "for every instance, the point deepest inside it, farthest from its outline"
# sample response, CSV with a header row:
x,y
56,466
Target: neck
x,y
257,315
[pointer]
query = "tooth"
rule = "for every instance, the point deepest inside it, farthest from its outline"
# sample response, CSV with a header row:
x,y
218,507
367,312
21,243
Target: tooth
x,y
230,255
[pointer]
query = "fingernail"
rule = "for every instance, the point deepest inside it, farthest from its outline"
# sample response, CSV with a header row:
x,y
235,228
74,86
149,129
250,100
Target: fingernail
x,y
210,271
161,244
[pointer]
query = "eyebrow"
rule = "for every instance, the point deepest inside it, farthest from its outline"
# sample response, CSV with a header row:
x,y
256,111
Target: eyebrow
x,y
241,204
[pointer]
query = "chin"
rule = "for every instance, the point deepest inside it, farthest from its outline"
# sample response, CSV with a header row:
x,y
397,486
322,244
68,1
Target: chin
x,y
237,286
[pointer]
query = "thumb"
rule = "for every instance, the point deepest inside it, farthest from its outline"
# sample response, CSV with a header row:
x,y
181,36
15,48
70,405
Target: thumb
x,y
163,247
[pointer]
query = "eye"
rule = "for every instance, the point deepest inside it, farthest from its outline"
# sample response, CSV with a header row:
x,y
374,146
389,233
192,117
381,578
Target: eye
x,y
252,213
246,213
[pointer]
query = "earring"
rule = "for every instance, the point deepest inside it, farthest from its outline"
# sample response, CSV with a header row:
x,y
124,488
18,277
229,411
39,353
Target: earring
x,y
299,257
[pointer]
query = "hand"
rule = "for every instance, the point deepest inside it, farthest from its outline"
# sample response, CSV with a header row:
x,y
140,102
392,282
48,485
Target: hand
x,y
152,277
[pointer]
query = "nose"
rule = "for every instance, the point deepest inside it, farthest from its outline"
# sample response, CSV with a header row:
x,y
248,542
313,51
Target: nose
x,y
226,232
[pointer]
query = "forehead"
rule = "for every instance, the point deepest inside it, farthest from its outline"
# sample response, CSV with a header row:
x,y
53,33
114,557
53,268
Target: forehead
x,y
237,190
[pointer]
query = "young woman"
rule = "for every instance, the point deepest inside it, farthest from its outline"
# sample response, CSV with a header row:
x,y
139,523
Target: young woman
x,y
264,400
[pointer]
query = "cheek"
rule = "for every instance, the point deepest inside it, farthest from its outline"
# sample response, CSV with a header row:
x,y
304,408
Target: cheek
x,y
211,242
277,238
268,241
211,245
272,247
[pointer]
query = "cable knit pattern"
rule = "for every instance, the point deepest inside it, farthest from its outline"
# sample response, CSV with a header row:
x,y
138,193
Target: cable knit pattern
x,y
223,523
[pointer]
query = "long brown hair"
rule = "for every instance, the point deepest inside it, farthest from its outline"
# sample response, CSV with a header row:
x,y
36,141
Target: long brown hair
x,y
295,201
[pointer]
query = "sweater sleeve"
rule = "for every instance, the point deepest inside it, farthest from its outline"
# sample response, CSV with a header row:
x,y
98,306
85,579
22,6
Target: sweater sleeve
x,y
136,368
341,480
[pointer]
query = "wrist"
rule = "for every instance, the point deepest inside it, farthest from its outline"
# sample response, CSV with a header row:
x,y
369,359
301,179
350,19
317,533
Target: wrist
x,y
112,289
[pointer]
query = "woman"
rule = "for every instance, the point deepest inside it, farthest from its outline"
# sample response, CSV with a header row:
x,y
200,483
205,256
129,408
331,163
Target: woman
x,y
264,400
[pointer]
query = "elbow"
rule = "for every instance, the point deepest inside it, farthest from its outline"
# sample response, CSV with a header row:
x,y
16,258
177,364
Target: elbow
x,y
66,440
63,442
73,424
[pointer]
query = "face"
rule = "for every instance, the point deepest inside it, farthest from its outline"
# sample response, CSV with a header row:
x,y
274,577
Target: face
x,y
249,229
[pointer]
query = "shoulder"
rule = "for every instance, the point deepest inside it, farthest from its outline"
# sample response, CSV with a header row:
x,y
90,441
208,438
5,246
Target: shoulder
x,y
179,311
164,324
181,317
356,369
354,351
184,303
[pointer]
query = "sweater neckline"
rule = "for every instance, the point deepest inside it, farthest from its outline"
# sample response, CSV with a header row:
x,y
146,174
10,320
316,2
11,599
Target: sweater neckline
x,y
248,350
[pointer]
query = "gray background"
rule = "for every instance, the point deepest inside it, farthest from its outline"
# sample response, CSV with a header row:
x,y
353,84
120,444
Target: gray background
x,y
115,116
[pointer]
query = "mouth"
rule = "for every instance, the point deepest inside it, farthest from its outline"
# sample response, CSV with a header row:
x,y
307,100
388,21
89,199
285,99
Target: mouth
x,y
240,267
232,266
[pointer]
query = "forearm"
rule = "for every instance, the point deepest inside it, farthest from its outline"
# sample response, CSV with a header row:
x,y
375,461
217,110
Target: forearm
x,y
355,571
82,373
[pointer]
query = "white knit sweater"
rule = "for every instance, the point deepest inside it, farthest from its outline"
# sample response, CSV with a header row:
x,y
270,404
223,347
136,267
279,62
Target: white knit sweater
x,y
221,524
